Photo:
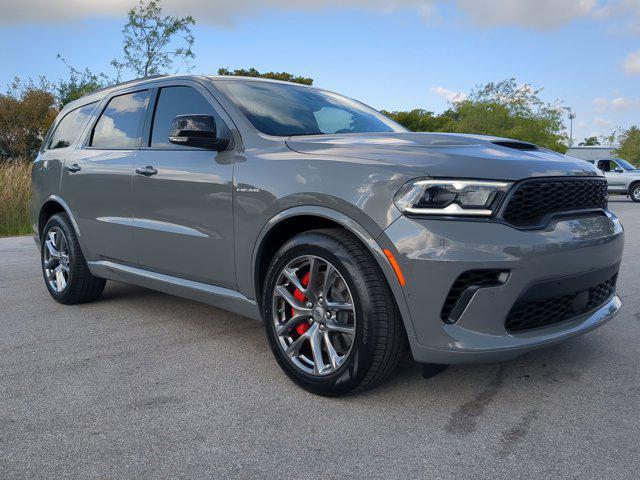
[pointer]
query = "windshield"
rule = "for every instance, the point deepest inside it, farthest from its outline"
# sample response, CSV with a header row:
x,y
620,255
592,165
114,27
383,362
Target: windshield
x,y
286,110
624,164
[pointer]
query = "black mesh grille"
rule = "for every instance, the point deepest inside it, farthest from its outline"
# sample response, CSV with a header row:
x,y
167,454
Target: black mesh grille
x,y
544,313
464,281
532,200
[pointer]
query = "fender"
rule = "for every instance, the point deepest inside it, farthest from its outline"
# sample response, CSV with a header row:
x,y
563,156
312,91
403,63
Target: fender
x,y
67,210
356,229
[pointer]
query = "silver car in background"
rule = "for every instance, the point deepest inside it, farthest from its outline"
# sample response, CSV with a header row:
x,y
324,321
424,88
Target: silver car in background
x,y
350,236
622,177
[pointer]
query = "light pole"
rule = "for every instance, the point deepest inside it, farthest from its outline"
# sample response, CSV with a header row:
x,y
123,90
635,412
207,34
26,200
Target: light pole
x,y
571,118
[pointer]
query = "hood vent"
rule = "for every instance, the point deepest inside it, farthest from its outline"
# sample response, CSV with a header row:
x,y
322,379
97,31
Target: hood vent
x,y
523,146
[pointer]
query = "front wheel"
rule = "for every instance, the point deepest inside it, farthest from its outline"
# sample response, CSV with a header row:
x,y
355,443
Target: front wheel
x,y
330,317
634,192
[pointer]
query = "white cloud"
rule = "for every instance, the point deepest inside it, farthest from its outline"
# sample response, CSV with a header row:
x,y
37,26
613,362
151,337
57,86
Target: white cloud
x,y
616,103
204,11
603,122
538,14
601,103
632,63
625,12
622,103
448,95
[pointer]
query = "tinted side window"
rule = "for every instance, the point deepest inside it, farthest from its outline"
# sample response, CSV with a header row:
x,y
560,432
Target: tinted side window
x,y
605,165
120,125
70,126
174,101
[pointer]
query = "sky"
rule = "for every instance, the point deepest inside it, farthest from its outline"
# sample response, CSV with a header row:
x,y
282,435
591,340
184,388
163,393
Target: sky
x,y
392,55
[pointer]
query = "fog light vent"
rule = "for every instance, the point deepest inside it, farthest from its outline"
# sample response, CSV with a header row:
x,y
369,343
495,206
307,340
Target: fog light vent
x,y
464,288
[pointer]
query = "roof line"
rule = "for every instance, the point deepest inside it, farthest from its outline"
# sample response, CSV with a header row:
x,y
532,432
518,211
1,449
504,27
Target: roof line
x,y
128,82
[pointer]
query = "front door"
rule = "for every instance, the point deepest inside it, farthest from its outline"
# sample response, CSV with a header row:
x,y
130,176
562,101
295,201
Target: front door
x,y
183,217
615,175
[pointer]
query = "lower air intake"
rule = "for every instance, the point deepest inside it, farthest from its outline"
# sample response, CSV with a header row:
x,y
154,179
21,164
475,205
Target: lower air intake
x,y
525,316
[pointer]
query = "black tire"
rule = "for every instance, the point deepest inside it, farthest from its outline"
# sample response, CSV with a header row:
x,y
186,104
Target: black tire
x,y
81,286
634,192
380,339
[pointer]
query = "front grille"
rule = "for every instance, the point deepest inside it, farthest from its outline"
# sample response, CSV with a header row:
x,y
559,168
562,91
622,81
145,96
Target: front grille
x,y
532,200
526,316
479,278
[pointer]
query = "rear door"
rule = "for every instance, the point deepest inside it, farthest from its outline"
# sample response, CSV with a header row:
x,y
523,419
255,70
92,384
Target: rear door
x,y
183,218
59,145
97,180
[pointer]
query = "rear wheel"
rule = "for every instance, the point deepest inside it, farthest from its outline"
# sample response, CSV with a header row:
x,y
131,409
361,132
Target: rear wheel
x,y
330,317
634,192
64,268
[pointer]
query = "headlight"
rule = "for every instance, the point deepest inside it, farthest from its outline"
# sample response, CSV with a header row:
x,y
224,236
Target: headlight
x,y
450,197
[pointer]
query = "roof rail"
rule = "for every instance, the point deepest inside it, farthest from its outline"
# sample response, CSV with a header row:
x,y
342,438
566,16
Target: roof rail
x,y
121,84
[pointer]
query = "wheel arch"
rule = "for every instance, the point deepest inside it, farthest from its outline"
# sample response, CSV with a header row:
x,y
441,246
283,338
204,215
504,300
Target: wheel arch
x,y
294,221
52,205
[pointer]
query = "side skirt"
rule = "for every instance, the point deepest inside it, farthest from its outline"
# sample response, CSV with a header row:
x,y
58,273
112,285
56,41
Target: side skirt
x,y
217,296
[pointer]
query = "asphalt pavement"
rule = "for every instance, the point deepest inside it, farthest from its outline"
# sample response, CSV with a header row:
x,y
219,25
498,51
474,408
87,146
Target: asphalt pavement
x,y
145,385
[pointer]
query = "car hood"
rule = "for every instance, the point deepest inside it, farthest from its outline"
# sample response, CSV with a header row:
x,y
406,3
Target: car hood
x,y
447,155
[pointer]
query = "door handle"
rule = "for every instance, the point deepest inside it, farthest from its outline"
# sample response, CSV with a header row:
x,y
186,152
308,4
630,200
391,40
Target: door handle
x,y
146,171
74,168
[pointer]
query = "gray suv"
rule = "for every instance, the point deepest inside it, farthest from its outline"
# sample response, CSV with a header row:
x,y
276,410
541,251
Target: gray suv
x,y
350,236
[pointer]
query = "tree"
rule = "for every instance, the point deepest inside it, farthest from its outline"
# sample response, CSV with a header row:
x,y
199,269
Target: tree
x,y
502,109
252,72
508,110
629,148
611,138
79,83
589,142
418,120
27,110
153,42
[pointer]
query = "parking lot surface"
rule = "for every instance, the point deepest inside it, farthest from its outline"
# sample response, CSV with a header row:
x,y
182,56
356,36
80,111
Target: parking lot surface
x,y
146,385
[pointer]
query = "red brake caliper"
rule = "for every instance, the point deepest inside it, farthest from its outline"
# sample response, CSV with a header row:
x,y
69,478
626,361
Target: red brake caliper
x,y
303,327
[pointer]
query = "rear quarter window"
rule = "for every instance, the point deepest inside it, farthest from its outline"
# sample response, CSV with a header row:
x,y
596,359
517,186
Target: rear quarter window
x,y
68,129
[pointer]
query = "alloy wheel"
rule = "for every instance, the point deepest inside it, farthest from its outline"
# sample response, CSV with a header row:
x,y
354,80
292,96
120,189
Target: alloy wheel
x,y
636,193
55,260
314,315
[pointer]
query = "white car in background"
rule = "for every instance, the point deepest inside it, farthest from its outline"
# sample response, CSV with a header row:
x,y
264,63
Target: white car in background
x,y
622,177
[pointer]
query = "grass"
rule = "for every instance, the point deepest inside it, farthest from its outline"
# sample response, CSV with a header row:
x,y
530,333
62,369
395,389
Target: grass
x,y
15,191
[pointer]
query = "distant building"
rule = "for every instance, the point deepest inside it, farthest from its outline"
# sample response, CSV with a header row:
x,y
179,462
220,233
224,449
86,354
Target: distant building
x,y
591,153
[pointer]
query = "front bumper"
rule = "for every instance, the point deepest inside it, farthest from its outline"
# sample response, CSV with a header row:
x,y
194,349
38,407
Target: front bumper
x,y
433,253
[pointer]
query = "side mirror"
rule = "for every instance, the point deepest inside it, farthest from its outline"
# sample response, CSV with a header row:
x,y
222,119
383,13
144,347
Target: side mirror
x,y
196,131
618,170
